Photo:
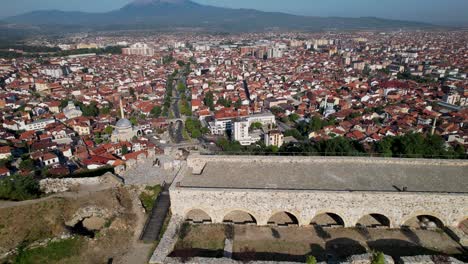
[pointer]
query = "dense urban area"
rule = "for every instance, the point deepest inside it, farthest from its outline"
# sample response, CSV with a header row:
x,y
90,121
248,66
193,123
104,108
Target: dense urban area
x,y
82,105
365,93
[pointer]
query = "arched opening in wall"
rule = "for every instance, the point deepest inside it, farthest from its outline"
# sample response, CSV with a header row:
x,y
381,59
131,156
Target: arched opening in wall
x,y
328,220
239,218
424,222
197,216
283,219
464,226
373,220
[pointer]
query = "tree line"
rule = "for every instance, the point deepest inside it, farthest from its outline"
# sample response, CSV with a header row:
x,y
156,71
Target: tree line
x,y
37,52
413,145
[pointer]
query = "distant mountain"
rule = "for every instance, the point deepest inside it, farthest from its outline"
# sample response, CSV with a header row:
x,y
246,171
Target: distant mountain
x,y
13,32
185,13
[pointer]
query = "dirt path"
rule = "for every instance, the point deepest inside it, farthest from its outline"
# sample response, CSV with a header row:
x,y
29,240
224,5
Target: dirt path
x,y
137,251
77,194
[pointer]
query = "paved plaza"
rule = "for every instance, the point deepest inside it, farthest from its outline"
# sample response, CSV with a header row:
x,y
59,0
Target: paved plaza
x,y
147,174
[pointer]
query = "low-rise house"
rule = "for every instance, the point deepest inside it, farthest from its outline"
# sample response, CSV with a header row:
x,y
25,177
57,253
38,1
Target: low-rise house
x,y
4,172
47,159
5,152
82,129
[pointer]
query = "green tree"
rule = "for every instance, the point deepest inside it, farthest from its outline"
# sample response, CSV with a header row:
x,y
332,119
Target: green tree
x,y
352,116
124,149
315,124
165,111
294,117
88,110
132,92
294,133
339,146
414,145
224,102
384,146
256,125
108,130
460,152
19,188
434,146
5,162
180,63
229,146
277,110
105,111
134,120
194,128
181,87
196,133
27,165
185,108
311,260
378,258
238,103
385,71
156,111
168,59
209,100
63,103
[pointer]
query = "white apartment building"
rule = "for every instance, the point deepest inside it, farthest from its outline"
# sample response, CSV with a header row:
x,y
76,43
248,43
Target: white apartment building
x,y
241,133
54,71
241,128
455,99
141,49
263,118
274,138
222,125
38,125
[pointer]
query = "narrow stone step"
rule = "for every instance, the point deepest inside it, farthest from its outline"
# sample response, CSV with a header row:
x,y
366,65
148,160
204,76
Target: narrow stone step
x,y
156,219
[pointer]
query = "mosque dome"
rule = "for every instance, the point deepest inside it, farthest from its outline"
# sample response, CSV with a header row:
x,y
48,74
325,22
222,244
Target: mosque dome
x,y
123,123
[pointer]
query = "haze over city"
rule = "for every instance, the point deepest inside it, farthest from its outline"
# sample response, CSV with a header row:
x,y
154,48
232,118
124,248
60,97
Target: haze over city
x,y
451,12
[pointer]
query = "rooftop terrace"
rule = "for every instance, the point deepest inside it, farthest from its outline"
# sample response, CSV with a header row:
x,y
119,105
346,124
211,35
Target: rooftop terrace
x,y
326,173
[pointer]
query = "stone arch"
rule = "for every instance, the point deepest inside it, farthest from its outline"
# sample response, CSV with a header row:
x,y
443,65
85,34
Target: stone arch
x,y
283,218
328,219
197,216
240,217
374,220
423,221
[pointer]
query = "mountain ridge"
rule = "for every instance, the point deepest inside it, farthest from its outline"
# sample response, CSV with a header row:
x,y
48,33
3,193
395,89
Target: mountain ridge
x,y
186,13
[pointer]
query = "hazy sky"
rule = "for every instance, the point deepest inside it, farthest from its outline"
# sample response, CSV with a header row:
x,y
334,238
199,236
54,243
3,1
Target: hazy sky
x,y
436,11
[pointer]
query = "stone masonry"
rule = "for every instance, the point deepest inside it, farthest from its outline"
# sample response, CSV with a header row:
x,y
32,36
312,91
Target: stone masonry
x,y
398,207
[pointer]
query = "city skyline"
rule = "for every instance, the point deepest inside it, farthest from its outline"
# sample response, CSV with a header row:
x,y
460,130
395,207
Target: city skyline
x,y
234,131
433,11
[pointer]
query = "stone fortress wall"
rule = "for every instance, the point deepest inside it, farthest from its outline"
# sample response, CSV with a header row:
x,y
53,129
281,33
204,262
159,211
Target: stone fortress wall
x,y
197,161
398,207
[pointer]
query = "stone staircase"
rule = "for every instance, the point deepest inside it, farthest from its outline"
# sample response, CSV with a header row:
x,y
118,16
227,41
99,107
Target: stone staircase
x,y
156,219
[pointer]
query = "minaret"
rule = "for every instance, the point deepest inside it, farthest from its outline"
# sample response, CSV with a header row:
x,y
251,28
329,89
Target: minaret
x,y
122,115
434,126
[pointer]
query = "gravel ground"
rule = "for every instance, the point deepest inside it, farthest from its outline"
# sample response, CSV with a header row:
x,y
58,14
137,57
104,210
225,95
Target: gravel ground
x,y
147,174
